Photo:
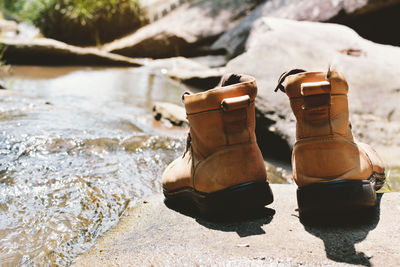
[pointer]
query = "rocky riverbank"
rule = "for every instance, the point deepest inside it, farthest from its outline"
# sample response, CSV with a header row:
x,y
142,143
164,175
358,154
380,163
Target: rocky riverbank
x,y
194,44
229,36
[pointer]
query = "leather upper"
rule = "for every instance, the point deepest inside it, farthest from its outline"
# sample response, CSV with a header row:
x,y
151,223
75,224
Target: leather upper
x,y
325,149
223,150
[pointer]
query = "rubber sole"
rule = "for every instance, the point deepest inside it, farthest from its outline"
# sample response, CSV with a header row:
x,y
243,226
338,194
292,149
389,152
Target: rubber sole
x,y
339,196
234,199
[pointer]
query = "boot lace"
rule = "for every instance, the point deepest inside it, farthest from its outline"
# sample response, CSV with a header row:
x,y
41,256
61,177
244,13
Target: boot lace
x,y
189,137
188,144
185,93
284,76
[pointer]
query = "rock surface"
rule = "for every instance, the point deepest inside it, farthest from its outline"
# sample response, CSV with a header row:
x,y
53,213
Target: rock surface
x,y
184,31
8,26
339,11
372,71
42,51
171,112
152,234
188,71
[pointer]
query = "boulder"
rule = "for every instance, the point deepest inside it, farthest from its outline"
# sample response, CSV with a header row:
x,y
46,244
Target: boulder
x,y
43,51
350,12
153,235
372,70
185,31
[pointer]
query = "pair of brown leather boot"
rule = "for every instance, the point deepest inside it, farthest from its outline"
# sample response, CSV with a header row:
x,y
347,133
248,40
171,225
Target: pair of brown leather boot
x,y
223,170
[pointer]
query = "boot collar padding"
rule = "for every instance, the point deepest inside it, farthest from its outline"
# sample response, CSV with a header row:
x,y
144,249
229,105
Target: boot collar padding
x,y
338,84
212,99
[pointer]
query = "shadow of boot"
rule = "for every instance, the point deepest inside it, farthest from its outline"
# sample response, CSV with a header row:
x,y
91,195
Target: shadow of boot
x,y
341,231
244,222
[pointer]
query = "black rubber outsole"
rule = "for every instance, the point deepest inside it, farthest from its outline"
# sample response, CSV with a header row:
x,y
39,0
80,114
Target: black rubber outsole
x,y
339,196
232,200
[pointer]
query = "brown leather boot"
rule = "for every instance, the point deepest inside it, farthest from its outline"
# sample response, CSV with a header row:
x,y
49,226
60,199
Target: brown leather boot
x,y
222,168
332,171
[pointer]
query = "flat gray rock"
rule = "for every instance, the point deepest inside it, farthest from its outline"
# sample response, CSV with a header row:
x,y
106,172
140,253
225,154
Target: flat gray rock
x,y
154,235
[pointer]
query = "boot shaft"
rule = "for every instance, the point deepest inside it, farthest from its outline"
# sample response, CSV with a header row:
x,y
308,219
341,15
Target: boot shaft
x,y
319,102
325,149
222,116
222,150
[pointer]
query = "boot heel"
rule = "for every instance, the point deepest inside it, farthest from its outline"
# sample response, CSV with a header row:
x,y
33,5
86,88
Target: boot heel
x,y
233,200
339,196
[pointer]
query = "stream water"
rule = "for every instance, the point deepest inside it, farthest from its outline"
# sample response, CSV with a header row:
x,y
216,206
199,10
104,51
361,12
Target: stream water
x,y
77,147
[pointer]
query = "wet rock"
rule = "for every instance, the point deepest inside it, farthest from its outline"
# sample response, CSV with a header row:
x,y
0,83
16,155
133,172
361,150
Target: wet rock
x,y
188,71
171,112
368,17
153,235
42,51
278,45
185,31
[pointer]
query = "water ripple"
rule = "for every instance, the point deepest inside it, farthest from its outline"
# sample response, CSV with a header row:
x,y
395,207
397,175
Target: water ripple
x,y
60,194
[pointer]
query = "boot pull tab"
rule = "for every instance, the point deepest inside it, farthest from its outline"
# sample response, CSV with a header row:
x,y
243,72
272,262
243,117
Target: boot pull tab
x,y
316,94
234,103
316,88
317,101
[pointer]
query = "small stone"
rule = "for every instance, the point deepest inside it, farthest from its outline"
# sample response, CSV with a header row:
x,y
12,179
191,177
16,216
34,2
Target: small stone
x,y
174,114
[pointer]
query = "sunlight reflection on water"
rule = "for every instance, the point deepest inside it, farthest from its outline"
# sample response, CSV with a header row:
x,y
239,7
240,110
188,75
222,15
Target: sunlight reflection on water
x,y
77,147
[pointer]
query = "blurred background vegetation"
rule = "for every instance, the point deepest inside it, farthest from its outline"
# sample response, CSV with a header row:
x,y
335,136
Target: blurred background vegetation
x,y
79,22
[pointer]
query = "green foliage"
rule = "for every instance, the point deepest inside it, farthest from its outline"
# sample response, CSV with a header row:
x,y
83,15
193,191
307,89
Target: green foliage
x,y
83,22
13,6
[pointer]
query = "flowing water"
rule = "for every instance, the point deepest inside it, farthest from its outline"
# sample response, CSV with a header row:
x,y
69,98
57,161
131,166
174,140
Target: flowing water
x,y
77,147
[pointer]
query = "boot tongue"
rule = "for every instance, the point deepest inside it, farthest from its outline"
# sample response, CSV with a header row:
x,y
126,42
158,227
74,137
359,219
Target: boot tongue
x,y
230,79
